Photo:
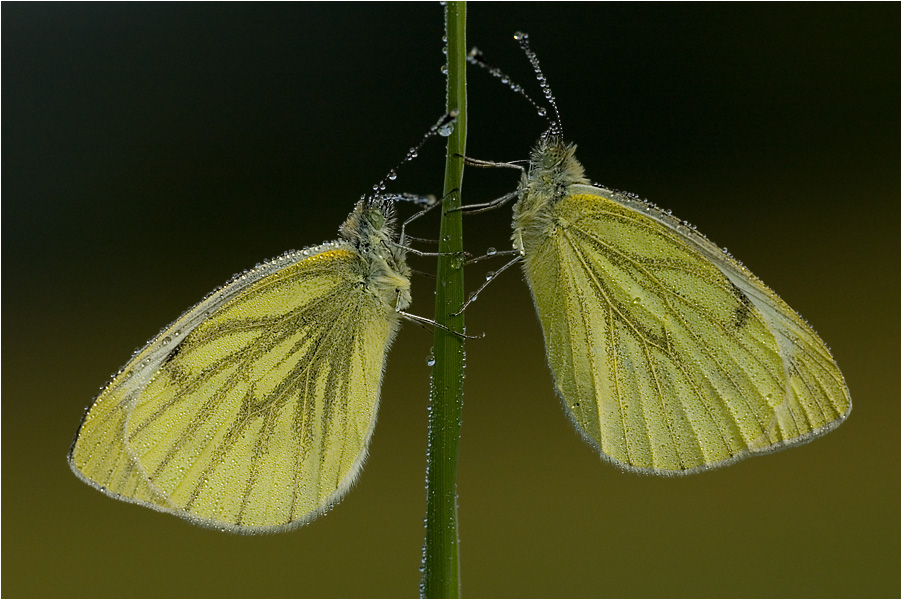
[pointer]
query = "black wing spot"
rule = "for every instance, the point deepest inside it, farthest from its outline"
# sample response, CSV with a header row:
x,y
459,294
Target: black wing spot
x,y
742,312
171,367
173,353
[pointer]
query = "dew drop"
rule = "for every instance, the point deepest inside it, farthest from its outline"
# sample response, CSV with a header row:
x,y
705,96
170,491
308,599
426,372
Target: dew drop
x,y
491,251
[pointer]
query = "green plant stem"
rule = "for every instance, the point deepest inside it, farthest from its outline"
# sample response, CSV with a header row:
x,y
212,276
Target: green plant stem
x,y
441,571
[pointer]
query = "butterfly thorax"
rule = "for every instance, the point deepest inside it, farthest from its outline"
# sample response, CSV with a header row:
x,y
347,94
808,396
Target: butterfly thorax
x,y
370,229
553,168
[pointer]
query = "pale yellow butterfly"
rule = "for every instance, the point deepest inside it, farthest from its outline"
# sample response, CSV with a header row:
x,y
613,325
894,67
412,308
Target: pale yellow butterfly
x,y
669,355
252,412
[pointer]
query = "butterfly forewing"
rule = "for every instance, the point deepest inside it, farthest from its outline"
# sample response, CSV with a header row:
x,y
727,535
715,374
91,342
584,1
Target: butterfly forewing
x,y
669,355
253,411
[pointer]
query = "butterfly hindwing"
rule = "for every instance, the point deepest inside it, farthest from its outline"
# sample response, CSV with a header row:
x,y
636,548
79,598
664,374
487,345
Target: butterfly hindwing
x,y
253,411
668,354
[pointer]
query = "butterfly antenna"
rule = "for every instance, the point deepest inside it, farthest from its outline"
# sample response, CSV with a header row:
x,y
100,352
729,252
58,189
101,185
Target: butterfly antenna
x,y
555,128
475,57
442,127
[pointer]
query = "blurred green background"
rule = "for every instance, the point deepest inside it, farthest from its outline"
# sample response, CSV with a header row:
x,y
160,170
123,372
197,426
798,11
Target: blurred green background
x,y
150,151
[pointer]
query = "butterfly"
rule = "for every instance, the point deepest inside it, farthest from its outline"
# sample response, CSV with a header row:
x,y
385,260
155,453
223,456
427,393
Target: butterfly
x,y
669,355
253,411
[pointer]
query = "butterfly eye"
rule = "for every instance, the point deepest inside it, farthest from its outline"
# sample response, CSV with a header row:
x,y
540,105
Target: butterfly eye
x,y
550,160
376,218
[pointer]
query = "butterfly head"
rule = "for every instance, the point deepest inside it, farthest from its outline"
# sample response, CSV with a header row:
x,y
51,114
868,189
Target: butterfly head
x,y
553,167
371,223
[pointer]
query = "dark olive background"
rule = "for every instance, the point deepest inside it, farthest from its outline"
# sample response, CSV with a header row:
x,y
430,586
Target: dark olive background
x,y
150,151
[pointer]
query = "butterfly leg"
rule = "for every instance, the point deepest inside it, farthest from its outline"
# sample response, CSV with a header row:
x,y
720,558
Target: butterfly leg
x,y
490,278
489,164
416,252
492,253
423,321
432,203
474,209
